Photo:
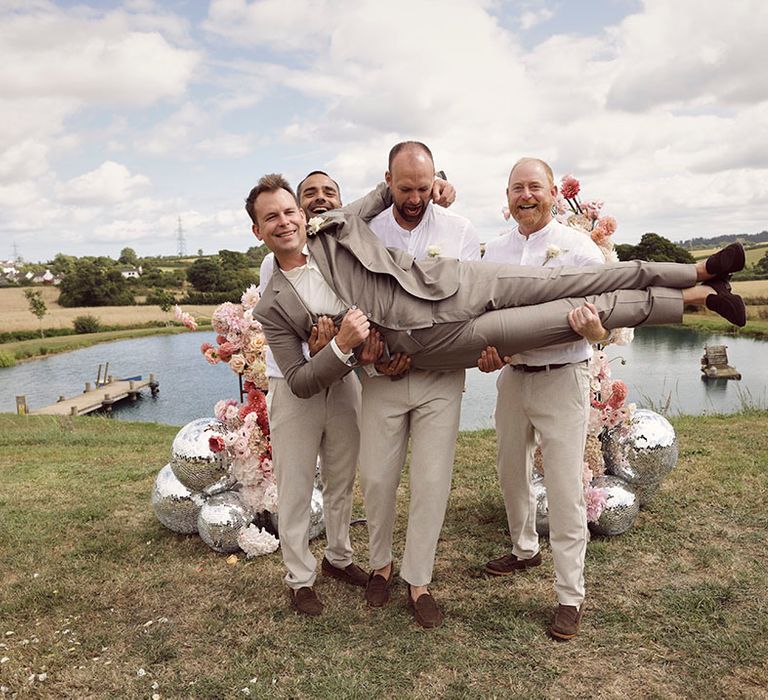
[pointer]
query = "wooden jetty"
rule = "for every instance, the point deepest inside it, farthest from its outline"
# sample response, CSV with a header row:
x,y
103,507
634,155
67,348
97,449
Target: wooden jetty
x,y
714,363
100,397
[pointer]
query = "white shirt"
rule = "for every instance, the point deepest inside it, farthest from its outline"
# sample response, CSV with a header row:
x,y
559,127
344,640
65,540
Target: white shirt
x,y
314,291
573,249
440,233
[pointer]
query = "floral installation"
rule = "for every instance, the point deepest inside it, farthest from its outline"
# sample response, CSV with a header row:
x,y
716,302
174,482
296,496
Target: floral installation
x,y
184,318
314,225
255,541
433,251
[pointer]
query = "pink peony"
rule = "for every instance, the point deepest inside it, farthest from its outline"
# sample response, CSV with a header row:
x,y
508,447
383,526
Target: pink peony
x,y
592,208
618,395
596,500
569,186
226,351
608,224
216,443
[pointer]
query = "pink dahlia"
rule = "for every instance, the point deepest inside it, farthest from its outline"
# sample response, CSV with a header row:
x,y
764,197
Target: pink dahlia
x,y
569,186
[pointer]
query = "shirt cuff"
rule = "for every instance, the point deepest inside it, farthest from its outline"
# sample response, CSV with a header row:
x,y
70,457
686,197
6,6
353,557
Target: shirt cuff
x,y
347,358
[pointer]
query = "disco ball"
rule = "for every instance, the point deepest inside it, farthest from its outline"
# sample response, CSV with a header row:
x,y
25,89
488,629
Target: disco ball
x,y
192,461
643,454
316,519
220,520
542,507
621,507
174,504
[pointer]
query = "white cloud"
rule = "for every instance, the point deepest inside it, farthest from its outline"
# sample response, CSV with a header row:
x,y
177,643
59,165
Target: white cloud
x,y
109,183
531,18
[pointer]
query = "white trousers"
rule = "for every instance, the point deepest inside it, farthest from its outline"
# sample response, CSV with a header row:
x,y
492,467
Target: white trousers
x,y
324,425
425,406
554,404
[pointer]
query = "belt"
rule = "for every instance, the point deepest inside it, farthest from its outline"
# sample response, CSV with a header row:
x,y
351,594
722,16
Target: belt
x,y
544,368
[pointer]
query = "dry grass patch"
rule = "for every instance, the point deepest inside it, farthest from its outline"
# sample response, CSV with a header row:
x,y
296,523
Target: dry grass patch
x,y
95,589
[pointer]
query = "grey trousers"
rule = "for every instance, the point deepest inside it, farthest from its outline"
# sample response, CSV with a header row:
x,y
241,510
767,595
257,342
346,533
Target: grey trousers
x,y
324,425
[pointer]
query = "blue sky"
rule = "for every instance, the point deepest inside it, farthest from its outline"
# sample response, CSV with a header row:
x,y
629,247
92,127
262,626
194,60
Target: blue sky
x,y
116,118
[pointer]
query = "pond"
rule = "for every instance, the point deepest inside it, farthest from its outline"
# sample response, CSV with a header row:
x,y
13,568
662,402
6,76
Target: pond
x,y
661,367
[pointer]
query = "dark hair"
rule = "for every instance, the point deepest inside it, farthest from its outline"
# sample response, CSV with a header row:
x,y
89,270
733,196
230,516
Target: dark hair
x,y
317,172
408,145
268,183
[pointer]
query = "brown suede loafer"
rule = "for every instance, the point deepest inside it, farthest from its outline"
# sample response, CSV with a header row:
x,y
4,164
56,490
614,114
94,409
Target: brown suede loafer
x,y
510,564
377,589
565,626
305,601
425,610
352,574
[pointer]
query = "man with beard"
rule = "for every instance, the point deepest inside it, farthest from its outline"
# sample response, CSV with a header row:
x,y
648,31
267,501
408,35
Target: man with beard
x,y
544,394
423,405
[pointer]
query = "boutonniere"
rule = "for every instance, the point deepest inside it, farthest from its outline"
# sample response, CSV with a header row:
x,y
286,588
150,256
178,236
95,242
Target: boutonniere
x,y
553,252
433,251
314,224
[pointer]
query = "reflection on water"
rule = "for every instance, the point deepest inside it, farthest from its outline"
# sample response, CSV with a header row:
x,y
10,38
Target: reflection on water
x,y
661,367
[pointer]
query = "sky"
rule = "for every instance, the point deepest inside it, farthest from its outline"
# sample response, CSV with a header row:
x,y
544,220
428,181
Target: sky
x,y
118,119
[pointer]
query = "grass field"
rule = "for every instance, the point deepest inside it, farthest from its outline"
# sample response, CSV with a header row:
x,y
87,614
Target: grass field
x,y
98,596
753,254
16,316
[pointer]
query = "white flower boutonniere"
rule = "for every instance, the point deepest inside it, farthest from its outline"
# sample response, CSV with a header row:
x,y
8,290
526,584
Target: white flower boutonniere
x,y
433,251
553,252
314,224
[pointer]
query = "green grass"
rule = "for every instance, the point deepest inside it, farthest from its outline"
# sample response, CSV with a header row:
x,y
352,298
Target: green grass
x,y
95,589
755,328
29,349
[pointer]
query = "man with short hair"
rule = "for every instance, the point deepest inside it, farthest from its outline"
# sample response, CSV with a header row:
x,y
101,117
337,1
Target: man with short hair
x,y
329,431
544,394
422,404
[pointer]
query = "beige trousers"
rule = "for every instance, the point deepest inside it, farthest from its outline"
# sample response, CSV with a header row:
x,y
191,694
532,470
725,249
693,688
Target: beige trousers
x,y
324,425
426,406
554,404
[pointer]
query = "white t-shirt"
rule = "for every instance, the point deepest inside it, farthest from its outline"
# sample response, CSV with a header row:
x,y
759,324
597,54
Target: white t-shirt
x,y
571,248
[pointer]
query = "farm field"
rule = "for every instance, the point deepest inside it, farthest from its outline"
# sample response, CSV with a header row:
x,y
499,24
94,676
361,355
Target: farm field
x,y
753,254
16,316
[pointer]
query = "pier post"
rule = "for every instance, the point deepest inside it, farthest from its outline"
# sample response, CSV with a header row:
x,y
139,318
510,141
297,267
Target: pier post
x,y
154,385
87,387
106,404
21,405
73,410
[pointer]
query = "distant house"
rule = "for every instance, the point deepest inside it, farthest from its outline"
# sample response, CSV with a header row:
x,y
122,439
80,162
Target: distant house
x,y
46,278
131,272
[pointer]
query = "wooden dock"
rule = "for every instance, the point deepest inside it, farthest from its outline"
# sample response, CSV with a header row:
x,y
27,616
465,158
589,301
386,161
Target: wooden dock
x,y
99,398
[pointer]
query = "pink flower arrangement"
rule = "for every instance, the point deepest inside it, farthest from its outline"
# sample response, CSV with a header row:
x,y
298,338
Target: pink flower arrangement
x,y
186,319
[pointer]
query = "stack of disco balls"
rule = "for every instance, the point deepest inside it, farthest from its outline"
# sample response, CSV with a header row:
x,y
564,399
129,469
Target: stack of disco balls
x,y
195,492
637,459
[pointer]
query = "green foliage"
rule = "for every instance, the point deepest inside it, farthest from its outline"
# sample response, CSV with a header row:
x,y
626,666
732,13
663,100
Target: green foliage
x,y
206,298
205,274
95,282
233,260
128,257
86,324
654,248
761,266
256,254
7,359
160,297
36,306
62,265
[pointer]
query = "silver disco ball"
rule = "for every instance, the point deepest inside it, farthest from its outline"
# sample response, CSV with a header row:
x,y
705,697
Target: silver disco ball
x,y
220,520
542,507
644,454
316,519
174,504
621,507
192,461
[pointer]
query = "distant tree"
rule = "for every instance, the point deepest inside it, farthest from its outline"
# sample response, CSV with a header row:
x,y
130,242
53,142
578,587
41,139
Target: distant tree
x,y
205,274
199,252
761,266
95,282
625,251
36,306
656,248
128,257
256,254
62,265
233,260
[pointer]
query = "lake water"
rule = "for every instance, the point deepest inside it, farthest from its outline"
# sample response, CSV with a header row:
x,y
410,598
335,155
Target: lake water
x,y
662,364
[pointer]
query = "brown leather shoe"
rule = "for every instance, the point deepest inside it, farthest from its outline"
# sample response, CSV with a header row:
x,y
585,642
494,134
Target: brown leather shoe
x,y
305,601
425,610
565,626
377,590
352,574
510,564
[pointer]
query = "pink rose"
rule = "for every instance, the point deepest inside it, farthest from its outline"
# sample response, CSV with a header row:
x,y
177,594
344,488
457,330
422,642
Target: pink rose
x,y
618,395
216,443
211,356
569,186
226,349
